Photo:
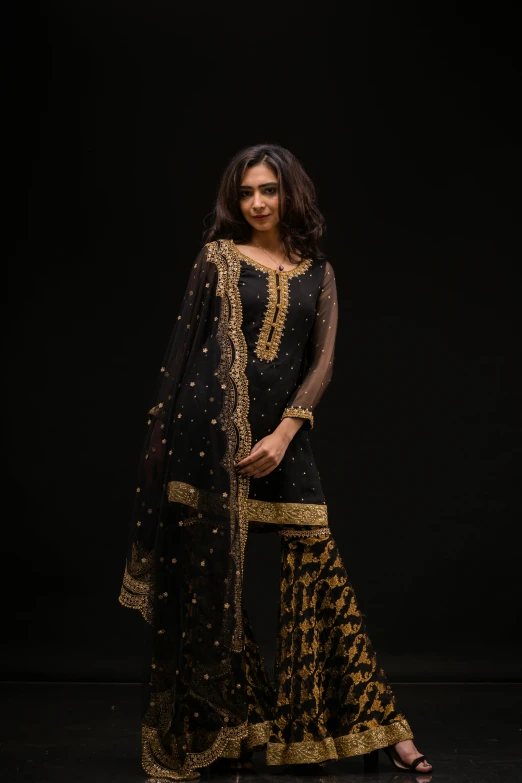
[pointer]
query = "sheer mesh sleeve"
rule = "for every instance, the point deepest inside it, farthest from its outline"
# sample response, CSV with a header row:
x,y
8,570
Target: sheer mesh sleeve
x,y
320,355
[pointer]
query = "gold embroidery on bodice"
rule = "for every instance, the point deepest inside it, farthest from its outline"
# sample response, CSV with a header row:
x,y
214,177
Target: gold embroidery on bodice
x,y
273,325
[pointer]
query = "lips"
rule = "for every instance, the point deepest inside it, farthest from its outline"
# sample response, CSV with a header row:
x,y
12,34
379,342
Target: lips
x,y
261,217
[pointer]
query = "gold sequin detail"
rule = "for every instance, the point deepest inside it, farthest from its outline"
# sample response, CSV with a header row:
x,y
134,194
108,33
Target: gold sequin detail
x,y
271,331
298,413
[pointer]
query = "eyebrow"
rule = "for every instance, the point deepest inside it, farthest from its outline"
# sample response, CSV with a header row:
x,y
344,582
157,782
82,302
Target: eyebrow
x,y
265,185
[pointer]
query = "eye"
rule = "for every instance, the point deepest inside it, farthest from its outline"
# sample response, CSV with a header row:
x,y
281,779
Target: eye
x,y
271,191
244,194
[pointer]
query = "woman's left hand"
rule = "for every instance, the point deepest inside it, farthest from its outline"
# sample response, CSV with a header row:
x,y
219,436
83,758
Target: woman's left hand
x,y
264,457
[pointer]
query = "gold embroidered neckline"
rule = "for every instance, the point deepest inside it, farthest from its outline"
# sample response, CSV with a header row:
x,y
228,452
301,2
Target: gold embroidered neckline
x,y
299,269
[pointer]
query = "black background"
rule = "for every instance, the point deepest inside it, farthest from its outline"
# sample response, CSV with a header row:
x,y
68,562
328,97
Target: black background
x,y
122,116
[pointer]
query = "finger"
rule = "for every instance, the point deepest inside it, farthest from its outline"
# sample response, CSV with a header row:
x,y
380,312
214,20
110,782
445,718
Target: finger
x,y
267,466
246,460
256,462
253,461
260,466
264,473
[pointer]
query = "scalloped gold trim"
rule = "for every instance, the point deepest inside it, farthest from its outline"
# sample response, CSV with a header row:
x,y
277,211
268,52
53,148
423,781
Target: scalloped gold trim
x,y
298,413
330,748
156,761
233,417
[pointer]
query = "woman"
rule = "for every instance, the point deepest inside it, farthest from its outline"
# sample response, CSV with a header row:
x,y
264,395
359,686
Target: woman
x,y
228,453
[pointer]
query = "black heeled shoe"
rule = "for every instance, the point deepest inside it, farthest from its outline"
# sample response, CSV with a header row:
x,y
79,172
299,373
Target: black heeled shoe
x,y
371,763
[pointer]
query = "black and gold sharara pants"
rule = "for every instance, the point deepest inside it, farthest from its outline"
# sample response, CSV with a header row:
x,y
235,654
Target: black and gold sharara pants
x,y
330,698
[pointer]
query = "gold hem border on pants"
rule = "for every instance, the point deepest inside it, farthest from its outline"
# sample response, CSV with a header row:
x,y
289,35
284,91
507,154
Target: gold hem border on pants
x,y
328,749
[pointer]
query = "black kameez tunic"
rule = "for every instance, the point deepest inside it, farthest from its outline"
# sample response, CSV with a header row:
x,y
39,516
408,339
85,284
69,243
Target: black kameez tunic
x,y
290,357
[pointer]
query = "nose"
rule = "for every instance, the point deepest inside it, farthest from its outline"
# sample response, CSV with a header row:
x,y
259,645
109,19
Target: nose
x,y
258,201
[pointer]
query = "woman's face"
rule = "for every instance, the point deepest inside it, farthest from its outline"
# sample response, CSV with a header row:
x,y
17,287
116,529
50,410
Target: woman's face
x,y
259,197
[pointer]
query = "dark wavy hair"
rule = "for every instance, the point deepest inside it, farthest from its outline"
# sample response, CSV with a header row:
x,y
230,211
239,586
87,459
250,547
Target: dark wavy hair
x,y
301,223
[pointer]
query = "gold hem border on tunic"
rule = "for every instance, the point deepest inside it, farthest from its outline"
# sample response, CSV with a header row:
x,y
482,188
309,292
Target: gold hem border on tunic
x,y
256,510
328,749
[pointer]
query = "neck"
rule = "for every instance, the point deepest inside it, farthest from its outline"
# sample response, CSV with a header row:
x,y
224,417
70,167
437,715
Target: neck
x,y
268,240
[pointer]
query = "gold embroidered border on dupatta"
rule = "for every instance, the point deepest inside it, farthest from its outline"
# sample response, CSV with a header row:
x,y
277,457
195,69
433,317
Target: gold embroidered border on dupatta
x,y
233,418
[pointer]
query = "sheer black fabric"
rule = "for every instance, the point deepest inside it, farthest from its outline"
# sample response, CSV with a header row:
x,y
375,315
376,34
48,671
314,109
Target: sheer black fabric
x,y
320,349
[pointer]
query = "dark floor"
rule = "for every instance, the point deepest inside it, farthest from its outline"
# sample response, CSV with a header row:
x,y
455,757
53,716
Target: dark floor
x,y
90,733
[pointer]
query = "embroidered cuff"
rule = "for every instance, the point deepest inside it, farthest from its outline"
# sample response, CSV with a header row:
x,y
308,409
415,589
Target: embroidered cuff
x,y
299,413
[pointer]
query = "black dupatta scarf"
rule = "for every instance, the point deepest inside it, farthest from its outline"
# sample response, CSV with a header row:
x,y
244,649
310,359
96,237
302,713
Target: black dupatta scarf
x,y
184,567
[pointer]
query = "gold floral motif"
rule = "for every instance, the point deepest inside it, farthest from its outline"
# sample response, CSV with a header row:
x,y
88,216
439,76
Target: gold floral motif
x,y
255,510
299,413
272,329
